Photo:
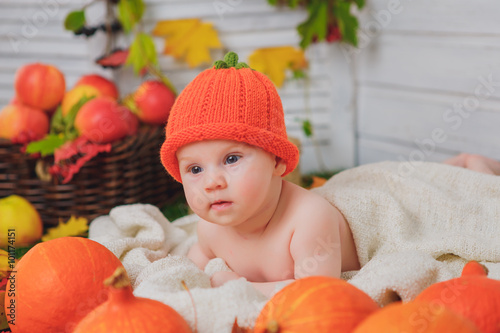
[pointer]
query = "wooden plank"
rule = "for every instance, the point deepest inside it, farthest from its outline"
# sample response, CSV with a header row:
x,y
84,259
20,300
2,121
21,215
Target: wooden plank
x,y
372,151
430,120
39,13
218,9
440,63
233,22
47,3
67,65
52,30
20,46
444,16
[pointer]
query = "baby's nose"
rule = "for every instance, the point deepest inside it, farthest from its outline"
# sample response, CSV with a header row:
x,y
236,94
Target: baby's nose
x,y
215,180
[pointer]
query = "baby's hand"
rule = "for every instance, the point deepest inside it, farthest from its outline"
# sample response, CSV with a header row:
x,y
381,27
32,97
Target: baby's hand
x,y
219,278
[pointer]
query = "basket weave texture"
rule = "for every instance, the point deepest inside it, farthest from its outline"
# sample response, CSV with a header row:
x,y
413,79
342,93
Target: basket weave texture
x,y
130,173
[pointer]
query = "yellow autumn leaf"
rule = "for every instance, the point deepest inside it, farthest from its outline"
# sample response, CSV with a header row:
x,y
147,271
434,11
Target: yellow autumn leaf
x,y
189,40
73,227
275,61
7,263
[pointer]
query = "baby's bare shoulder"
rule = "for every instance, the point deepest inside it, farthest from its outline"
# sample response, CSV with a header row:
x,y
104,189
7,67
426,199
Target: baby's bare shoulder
x,y
303,202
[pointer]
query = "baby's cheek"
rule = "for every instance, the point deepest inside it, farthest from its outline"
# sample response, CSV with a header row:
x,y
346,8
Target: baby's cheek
x,y
195,199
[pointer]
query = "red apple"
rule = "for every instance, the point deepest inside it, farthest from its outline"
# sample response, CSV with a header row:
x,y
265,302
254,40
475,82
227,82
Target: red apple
x,y
15,101
40,86
21,123
103,120
151,102
105,86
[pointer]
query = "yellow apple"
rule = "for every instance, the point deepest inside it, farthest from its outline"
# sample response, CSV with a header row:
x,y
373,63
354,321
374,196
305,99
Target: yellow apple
x,y
20,223
76,94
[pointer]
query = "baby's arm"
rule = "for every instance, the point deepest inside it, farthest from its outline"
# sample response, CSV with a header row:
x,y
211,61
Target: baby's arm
x,y
200,253
197,256
315,246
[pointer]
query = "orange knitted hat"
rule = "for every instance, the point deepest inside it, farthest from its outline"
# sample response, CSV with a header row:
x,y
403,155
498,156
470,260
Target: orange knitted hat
x,y
230,102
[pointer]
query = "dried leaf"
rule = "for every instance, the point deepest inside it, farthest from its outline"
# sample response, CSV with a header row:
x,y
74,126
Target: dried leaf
x,y
113,60
275,61
189,40
70,157
75,226
238,329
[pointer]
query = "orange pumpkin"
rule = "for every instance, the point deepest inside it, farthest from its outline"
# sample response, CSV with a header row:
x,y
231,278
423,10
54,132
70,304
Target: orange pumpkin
x,y
123,312
472,295
57,283
315,304
416,317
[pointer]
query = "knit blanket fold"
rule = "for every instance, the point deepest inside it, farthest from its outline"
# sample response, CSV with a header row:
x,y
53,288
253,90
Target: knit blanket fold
x,y
410,230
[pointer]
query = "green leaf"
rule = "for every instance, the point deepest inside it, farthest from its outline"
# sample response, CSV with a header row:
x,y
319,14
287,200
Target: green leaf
x,y
47,145
290,3
57,124
307,128
129,13
299,74
70,131
142,53
75,20
348,23
360,3
316,24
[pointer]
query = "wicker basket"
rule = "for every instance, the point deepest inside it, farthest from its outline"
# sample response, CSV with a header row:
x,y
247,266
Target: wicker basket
x,y
130,173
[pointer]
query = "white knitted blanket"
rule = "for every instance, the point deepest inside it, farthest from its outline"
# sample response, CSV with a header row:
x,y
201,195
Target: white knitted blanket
x,y
411,229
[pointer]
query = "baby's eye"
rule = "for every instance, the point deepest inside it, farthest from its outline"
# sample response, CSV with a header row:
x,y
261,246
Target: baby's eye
x,y
232,159
194,170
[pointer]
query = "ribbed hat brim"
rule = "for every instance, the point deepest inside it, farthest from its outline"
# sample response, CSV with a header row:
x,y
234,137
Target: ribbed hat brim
x,y
259,137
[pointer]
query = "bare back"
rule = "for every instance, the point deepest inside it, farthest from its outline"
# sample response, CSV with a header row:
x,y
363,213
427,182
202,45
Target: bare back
x,y
305,236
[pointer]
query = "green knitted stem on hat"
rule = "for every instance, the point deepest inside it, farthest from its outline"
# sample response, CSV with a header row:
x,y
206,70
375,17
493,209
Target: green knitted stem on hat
x,y
230,60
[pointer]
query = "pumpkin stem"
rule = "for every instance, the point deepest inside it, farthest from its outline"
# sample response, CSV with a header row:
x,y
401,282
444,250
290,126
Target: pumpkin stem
x,y
474,268
119,279
273,327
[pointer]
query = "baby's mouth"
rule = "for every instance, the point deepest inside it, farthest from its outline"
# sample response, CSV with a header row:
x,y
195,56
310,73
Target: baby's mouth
x,y
220,204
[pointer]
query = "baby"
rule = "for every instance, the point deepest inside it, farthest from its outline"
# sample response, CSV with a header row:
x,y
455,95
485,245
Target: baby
x,y
226,143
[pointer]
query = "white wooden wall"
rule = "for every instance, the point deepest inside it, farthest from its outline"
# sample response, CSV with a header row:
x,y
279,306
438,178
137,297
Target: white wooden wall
x,y
32,30
393,98
423,73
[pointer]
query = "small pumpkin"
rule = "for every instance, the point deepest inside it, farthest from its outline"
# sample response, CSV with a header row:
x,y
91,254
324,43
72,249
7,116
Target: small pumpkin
x,y
416,317
57,283
123,312
315,304
472,295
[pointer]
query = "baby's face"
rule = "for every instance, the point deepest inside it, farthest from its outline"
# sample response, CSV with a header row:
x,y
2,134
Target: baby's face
x,y
228,182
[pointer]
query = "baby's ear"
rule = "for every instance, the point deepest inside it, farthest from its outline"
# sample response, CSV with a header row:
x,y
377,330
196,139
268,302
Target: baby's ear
x,y
280,166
